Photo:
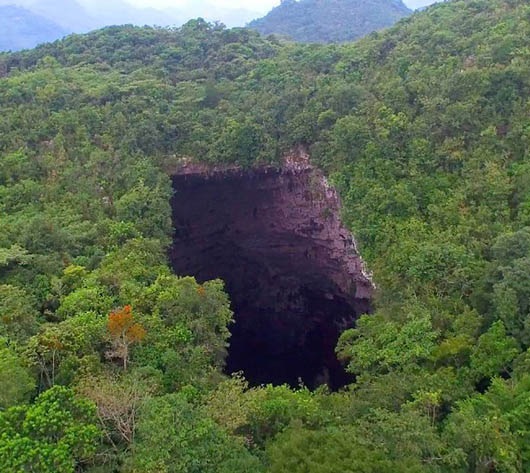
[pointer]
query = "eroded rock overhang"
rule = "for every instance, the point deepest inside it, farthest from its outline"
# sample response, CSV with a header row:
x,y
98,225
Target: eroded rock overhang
x,y
293,271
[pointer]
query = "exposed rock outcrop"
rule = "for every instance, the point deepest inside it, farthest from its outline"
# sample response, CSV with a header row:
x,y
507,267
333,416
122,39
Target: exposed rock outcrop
x,y
291,268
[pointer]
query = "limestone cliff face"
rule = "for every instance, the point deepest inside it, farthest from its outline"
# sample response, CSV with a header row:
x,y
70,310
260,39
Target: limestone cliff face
x,y
292,269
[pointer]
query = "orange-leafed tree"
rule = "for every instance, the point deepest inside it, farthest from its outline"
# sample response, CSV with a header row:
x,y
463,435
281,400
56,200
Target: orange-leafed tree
x,y
124,331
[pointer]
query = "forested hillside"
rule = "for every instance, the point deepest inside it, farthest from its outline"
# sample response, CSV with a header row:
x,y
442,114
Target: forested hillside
x,y
110,363
330,21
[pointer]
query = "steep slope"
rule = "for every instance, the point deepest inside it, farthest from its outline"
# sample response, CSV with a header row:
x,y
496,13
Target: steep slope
x,y
293,271
330,21
22,29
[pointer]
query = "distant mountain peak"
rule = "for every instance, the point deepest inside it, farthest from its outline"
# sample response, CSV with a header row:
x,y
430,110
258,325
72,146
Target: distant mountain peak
x,y
330,21
23,29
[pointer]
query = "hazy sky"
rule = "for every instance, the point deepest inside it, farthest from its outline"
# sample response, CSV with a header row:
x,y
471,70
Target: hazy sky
x,y
162,12
262,6
254,5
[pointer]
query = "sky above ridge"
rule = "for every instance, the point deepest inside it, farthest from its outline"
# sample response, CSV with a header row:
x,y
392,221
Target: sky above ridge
x,y
255,5
261,6
85,15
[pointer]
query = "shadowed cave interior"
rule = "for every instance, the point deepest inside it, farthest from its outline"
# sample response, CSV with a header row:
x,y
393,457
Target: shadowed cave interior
x,y
288,276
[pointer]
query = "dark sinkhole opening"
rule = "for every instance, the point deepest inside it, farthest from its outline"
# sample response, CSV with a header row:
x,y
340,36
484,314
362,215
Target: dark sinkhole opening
x,y
291,269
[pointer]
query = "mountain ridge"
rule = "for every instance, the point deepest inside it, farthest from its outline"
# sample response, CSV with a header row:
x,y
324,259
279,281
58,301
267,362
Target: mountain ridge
x,y
49,20
330,21
23,29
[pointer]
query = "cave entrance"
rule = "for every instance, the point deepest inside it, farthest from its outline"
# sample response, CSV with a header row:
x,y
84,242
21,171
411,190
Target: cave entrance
x,y
292,271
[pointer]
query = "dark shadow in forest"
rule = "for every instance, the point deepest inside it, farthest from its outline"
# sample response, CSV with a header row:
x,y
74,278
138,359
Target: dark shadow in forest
x,y
288,307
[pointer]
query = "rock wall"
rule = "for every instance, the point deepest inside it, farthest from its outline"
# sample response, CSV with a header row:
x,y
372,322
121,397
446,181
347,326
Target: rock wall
x,y
292,269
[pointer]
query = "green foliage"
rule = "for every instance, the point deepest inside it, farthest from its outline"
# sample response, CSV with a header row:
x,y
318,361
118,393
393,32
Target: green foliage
x,y
192,443
55,434
147,208
243,141
14,255
279,406
494,352
331,21
18,316
505,289
379,346
187,334
482,434
327,451
16,382
423,129
257,415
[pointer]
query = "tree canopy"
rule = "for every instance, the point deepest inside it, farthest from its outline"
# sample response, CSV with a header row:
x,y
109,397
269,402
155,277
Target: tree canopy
x,y
423,129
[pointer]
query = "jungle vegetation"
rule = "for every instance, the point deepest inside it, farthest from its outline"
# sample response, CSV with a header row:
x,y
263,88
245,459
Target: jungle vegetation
x,y
111,363
329,21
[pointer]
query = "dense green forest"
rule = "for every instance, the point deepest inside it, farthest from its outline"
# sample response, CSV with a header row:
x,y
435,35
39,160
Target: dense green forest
x,y
110,363
330,21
